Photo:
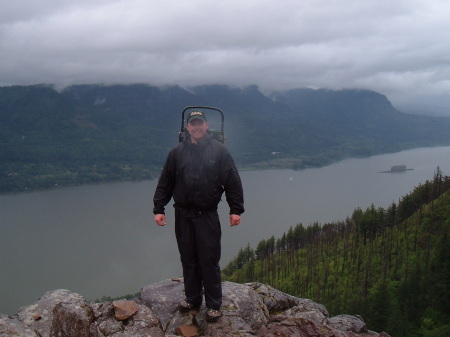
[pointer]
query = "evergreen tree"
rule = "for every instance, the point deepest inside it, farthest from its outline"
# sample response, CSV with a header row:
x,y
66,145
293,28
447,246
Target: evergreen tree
x,y
394,272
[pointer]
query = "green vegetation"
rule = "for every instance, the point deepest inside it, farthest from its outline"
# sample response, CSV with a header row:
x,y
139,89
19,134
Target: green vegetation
x,y
93,133
52,139
392,266
111,299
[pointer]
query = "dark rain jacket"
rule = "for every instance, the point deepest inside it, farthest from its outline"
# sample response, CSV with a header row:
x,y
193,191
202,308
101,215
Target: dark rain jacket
x,y
196,175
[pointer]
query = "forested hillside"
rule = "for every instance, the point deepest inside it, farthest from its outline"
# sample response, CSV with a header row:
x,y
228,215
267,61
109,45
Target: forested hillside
x,y
392,266
93,133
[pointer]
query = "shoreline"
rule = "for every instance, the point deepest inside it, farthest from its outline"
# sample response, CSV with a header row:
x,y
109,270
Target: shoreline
x,y
280,163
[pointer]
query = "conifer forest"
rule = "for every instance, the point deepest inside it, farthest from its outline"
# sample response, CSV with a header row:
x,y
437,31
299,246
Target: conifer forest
x,y
392,266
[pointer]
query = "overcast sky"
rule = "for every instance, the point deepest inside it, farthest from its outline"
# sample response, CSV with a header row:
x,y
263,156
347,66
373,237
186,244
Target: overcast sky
x,y
400,48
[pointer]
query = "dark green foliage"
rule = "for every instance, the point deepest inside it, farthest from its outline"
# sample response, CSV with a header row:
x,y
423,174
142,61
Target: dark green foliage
x,y
94,133
111,299
390,266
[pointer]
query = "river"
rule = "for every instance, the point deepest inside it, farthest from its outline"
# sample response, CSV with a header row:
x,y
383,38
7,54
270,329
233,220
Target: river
x,y
101,239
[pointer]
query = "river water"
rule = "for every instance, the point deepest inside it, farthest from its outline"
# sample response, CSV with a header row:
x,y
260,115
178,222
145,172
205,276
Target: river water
x,y
101,239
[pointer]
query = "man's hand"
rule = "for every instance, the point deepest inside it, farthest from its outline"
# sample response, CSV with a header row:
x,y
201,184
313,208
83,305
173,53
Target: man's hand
x,y
235,220
160,219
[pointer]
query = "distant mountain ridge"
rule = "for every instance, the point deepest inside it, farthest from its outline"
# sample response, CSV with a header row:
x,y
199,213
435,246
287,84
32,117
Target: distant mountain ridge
x,y
91,133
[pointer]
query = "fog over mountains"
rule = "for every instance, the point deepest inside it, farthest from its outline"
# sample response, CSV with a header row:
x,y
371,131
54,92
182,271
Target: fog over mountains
x,y
88,133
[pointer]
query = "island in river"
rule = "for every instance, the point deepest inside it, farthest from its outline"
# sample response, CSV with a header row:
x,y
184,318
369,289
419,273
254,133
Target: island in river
x,y
397,168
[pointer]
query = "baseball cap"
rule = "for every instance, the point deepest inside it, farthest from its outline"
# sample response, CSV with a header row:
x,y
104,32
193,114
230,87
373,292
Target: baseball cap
x,y
195,114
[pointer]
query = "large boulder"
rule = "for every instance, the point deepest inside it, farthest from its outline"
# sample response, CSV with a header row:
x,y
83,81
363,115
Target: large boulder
x,y
243,313
64,313
251,309
39,315
279,302
12,327
349,323
163,297
71,319
107,322
243,310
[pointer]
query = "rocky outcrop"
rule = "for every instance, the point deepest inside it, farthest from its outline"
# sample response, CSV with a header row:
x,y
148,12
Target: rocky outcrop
x,y
251,309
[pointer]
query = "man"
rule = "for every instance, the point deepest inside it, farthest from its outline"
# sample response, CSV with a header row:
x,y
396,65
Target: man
x,y
196,173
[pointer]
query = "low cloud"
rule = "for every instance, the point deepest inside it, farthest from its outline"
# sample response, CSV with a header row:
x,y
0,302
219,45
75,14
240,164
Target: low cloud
x,y
396,48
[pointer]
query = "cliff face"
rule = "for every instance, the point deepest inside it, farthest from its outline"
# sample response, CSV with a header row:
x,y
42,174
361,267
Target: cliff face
x,y
251,309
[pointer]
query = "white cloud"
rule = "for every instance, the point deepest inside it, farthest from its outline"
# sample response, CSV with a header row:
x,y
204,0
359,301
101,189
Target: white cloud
x,y
398,48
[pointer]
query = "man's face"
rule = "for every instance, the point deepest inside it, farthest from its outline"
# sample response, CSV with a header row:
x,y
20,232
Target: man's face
x,y
197,129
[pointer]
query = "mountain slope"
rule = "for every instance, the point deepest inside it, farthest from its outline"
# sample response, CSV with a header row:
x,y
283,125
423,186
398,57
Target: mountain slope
x,y
91,133
391,265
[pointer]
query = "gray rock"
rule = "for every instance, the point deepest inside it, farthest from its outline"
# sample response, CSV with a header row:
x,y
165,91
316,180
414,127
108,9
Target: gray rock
x,y
252,309
11,327
296,327
105,323
274,300
144,323
243,311
163,298
278,302
39,315
71,320
349,323
64,313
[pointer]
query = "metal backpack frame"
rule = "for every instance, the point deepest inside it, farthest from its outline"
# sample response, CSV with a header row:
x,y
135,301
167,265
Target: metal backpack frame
x,y
217,134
